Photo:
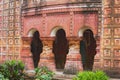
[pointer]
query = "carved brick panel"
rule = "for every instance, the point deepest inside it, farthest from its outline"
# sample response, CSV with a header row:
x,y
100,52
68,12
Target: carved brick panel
x,y
116,32
117,20
107,52
4,41
116,52
107,63
4,50
117,1
11,26
117,42
11,41
116,64
97,64
11,33
10,49
4,33
107,20
107,2
107,11
117,10
107,31
17,33
107,42
17,41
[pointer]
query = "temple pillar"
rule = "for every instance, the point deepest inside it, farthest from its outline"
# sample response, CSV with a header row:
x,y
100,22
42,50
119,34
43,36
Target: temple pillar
x,y
47,57
73,62
26,55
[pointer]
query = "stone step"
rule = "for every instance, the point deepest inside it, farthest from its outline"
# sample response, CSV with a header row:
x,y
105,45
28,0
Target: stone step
x,y
114,79
61,76
113,74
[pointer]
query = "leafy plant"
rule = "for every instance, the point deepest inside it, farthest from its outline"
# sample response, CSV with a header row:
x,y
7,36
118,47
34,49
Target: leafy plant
x,y
2,77
43,73
13,70
88,75
100,75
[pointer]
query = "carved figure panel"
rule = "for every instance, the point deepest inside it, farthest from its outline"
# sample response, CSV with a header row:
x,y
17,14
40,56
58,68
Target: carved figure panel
x,y
107,42
117,10
116,52
116,64
107,52
117,42
117,1
107,63
116,31
107,31
117,20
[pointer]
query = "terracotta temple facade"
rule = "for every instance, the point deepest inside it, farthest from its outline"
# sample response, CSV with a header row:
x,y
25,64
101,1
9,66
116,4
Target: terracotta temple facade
x,y
23,18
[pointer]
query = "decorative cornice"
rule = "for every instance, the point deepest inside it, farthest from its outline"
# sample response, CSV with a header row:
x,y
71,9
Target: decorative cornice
x,y
61,8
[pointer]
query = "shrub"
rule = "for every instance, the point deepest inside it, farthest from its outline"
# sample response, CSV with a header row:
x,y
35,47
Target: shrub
x,y
88,75
100,75
43,73
2,77
13,70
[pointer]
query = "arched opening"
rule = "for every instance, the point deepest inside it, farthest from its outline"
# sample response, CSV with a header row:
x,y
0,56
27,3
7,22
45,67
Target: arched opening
x,y
60,49
80,33
36,48
31,32
88,49
53,32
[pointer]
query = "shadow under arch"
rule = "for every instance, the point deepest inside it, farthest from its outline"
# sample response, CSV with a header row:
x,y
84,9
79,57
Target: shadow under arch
x,y
60,48
31,32
36,46
81,30
54,30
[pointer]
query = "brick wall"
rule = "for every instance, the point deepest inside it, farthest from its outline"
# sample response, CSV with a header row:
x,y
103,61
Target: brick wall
x,y
70,23
72,20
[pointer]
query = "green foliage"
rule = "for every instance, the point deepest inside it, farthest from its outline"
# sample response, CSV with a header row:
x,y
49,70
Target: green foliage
x,y
43,73
13,70
100,75
2,77
88,75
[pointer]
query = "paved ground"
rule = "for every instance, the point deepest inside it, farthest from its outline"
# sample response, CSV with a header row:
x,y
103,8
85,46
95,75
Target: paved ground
x,y
61,76
114,79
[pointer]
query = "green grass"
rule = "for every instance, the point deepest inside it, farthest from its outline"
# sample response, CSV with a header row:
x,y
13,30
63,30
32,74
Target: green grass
x,y
89,75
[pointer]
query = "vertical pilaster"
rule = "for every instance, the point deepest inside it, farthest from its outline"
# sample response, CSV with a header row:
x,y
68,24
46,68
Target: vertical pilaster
x,y
47,57
26,55
73,62
111,37
44,24
71,23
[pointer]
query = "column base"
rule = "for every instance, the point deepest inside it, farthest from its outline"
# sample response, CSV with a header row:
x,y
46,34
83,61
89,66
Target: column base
x,y
73,64
47,59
